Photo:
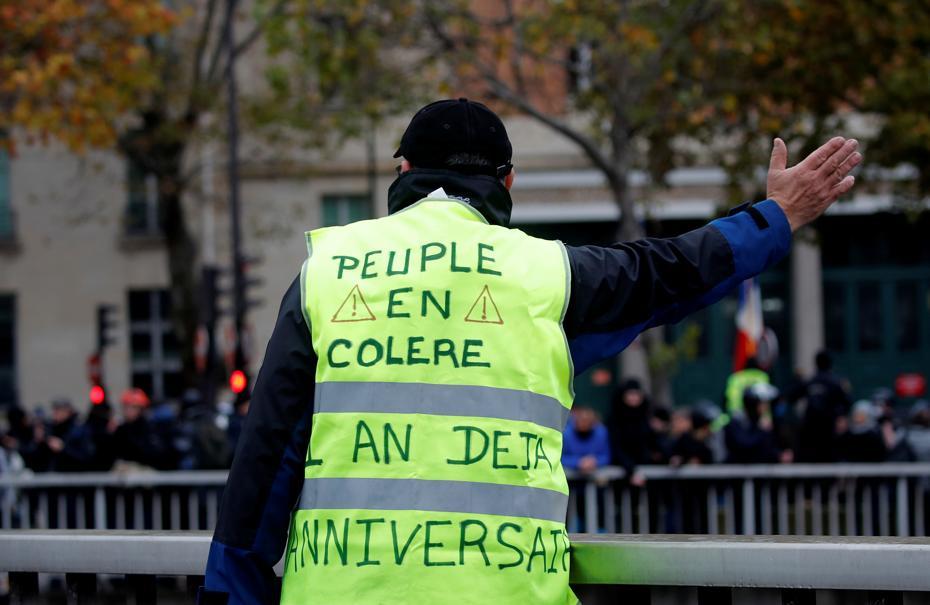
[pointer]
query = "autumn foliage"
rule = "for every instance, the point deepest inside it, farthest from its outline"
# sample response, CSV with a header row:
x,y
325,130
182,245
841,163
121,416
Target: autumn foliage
x,y
72,69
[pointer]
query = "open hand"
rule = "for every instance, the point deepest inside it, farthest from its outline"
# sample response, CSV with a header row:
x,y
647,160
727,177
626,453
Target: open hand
x,y
807,189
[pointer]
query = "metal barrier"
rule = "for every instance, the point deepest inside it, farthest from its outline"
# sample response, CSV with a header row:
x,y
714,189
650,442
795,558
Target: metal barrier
x,y
634,570
137,500
798,499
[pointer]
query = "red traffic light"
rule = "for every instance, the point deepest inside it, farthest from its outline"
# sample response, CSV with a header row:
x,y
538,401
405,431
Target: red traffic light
x,y
97,394
238,381
94,373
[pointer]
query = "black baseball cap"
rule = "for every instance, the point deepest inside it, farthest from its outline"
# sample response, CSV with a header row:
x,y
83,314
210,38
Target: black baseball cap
x,y
460,135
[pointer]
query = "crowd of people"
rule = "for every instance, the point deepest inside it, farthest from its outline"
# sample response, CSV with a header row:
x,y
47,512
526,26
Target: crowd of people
x,y
186,435
810,421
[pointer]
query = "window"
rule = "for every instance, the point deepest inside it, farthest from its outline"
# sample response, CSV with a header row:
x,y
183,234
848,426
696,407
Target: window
x,y
702,320
907,323
142,203
877,240
870,316
834,315
6,210
155,359
581,68
7,349
696,326
342,209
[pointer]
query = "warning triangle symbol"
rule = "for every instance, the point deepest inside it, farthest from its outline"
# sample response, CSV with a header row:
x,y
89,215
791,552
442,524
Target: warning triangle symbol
x,y
484,310
353,308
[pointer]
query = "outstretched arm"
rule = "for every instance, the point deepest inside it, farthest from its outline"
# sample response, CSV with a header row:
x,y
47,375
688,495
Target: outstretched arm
x,y
618,291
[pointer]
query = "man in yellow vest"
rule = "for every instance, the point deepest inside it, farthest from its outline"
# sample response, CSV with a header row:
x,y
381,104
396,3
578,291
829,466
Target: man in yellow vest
x,y
404,439
736,386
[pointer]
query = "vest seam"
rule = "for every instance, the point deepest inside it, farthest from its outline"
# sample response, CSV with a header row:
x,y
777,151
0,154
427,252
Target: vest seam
x,y
303,289
568,293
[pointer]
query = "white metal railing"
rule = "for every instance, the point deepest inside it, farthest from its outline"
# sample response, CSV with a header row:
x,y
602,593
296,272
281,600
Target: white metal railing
x,y
666,569
799,499
136,500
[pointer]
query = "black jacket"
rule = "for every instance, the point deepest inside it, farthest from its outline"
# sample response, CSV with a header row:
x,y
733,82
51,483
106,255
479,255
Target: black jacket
x,y
827,400
690,449
747,443
616,292
136,441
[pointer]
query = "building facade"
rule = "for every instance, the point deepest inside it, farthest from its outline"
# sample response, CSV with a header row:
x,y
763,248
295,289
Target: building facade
x,y
77,232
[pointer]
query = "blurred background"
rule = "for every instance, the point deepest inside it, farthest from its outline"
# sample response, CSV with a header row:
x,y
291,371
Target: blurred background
x,y
160,161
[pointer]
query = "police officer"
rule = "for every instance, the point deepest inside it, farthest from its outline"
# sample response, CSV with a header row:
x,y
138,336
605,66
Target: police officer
x,y
404,438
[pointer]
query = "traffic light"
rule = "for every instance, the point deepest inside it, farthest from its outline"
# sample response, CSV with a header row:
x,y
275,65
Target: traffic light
x,y
105,325
105,337
94,369
238,381
243,283
214,286
211,291
95,375
249,281
97,394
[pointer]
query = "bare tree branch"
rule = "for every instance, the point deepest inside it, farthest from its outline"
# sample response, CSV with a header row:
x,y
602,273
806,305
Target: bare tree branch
x,y
249,39
202,40
516,63
697,13
214,72
214,63
501,90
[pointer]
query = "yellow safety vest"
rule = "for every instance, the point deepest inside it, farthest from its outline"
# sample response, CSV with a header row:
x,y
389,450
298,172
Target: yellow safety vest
x,y
737,383
443,384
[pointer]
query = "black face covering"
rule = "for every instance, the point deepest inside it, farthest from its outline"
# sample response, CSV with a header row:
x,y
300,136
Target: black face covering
x,y
486,194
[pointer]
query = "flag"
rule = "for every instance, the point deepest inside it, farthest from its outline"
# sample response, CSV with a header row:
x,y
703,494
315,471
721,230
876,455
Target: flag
x,y
749,327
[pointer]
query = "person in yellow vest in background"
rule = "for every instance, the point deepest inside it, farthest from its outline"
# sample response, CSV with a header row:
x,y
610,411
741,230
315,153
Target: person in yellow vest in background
x,y
738,382
403,443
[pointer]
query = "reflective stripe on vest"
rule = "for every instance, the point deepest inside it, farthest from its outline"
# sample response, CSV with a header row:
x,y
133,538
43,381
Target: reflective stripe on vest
x,y
443,385
433,495
441,399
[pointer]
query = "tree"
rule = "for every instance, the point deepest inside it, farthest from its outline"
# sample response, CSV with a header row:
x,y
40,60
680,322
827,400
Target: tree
x,y
71,69
616,65
614,77
807,69
643,84
137,75
635,83
339,67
